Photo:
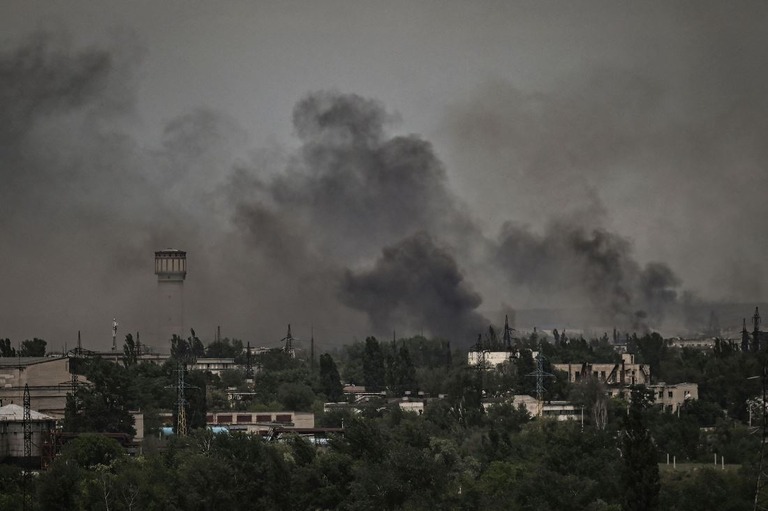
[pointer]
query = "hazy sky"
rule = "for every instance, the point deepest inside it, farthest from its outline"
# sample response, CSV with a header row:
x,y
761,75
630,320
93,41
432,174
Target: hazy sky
x,y
327,163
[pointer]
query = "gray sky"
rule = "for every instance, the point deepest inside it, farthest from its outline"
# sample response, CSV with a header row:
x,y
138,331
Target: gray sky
x,y
645,120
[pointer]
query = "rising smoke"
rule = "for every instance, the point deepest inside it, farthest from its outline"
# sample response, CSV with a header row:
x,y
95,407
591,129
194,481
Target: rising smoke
x,y
416,284
354,231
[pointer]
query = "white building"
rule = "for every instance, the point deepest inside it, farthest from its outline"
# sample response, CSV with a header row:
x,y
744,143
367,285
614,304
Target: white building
x,y
489,359
12,431
261,422
558,410
214,365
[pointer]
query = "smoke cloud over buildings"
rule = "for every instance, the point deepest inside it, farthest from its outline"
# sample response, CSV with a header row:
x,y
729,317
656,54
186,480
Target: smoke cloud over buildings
x,y
614,188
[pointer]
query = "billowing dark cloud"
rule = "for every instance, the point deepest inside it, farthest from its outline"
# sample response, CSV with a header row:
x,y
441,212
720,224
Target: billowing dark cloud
x,y
594,269
649,157
416,284
349,190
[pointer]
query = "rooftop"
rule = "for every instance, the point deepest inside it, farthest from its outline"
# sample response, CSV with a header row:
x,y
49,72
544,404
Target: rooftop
x,y
15,413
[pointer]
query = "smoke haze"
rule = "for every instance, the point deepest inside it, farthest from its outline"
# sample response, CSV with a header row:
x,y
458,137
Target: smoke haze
x,y
628,181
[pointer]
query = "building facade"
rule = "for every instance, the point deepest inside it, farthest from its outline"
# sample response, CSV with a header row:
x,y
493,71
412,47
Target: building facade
x,y
626,372
49,381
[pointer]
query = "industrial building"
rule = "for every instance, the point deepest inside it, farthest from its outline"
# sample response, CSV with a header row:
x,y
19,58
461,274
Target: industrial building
x,y
49,381
12,422
626,372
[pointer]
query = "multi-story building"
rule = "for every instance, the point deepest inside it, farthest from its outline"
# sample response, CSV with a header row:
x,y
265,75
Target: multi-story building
x,y
626,372
673,396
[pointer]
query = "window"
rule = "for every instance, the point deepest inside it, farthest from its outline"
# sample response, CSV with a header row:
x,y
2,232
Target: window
x,y
669,394
283,418
244,418
264,418
224,419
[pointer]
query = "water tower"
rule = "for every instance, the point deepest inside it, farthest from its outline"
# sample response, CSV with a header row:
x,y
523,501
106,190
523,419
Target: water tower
x,y
171,270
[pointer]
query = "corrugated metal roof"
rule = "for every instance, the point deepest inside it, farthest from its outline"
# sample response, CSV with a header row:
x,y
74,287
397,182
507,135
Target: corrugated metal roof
x,y
15,413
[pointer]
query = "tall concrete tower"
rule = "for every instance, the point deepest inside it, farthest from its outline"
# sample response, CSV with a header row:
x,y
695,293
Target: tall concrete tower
x,y
171,270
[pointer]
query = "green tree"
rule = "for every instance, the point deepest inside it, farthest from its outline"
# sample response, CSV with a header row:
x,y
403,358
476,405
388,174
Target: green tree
x,y
33,348
6,350
102,406
296,396
330,381
465,393
640,471
374,373
130,351
401,373
224,348
92,449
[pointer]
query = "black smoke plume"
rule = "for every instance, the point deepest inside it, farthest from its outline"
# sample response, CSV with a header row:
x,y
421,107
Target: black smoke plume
x,y
416,284
595,268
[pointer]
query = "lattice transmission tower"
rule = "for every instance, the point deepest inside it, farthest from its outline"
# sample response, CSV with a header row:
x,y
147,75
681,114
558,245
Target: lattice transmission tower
x,y
540,374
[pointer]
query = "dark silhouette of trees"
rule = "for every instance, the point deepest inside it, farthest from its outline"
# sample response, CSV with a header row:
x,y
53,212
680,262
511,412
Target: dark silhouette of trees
x,y
640,470
33,348
329,379
374,373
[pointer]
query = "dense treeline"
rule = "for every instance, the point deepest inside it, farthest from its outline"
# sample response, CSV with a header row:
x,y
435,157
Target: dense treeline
x,y
457,455
386,460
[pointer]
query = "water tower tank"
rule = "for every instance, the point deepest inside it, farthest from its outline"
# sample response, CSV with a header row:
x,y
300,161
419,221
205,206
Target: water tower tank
x,y
171,270
170,265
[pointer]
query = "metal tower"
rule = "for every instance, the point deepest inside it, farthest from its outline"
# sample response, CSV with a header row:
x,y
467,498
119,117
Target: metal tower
x,y
181,402
27,424
540,374
756,331
507,338
744,336
248,362
288,340
114,334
